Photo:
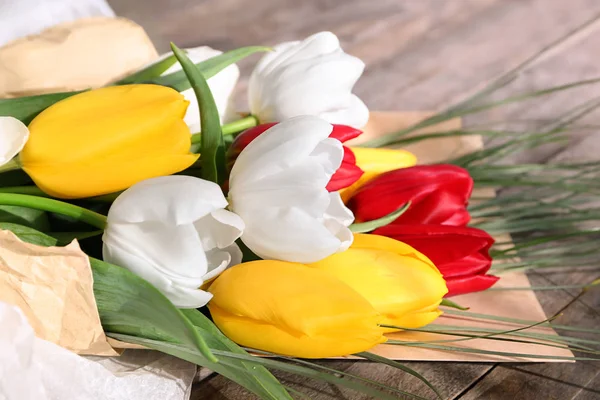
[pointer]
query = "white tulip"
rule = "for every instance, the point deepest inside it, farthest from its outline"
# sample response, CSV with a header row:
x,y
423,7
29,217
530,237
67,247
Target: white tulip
x,y
27,17
13,136
311,77
174,232
277,185
221,85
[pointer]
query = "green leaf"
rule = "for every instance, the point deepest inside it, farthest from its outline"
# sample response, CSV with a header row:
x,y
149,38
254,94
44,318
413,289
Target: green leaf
x,y
257,378
212,148
150,72
378,223
25,216
29,235
27,108
209,68
129,305
451,304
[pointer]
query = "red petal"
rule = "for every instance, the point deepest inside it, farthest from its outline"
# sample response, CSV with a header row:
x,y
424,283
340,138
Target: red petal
x,y
346,175
438,194
344,132
471,284
442,244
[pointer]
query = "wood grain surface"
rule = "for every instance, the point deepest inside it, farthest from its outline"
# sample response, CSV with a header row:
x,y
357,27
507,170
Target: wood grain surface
x,y
426,55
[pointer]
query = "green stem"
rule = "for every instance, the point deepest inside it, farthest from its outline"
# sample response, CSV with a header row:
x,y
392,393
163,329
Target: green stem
x,y
232,127
12,165
55,206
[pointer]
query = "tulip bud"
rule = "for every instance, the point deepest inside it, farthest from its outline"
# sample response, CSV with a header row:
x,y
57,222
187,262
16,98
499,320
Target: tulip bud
x,y
460,253
277,186
294,310
174,232
105,140
310,77
438,195
344,176
400,283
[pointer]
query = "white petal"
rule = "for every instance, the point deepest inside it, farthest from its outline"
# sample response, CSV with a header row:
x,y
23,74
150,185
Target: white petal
x,y
338,211
221,86
311,77
173,251
289,234
180,296
219,229
329,153
279,148
13,136
174,200
355,114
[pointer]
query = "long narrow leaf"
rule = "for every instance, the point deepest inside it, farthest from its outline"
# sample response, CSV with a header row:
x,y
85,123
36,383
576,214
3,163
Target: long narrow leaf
x,y
256,378
152,71
209,68
27,108
212,147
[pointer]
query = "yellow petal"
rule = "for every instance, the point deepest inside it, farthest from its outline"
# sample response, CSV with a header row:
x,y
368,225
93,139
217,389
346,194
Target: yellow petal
x,y
290,309
377,242
400,283
374,162
416,319
105,140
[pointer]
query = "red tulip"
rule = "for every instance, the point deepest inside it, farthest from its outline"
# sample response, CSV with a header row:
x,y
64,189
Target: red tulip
x,y
438,194
347,173
460,253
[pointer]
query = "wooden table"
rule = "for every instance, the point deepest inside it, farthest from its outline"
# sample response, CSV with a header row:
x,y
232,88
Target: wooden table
x,y
426,55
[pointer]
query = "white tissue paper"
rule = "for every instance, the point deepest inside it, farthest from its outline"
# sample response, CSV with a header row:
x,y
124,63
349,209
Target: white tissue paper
x,y
34,369
20,18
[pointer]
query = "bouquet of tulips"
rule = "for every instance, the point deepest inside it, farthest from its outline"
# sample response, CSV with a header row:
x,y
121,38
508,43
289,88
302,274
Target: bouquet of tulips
x,y
208,230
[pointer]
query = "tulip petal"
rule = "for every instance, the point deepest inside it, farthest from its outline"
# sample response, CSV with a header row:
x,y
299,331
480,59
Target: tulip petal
x,y
311,77
355,113
219,229
13,136
469,284
180,296
416,319
232,254
399,282
291,234
293,310
279,148
138,203
175,251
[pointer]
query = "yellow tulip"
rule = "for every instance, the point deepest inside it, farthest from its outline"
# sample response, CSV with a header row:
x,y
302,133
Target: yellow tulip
x,y
291,309
399,282
375,162
105,140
